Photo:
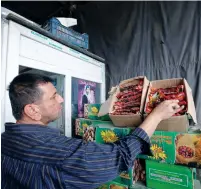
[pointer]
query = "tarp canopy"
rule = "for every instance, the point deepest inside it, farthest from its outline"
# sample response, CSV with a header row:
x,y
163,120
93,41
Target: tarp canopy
x,y
157,39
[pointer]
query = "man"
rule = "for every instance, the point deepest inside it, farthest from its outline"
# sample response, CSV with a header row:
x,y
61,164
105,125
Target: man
x,y
35,156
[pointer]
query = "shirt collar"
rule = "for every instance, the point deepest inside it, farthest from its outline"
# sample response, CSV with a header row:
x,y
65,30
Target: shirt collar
x,y
30,128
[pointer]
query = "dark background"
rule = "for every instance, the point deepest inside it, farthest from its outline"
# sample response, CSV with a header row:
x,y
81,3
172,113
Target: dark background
x,y
157,39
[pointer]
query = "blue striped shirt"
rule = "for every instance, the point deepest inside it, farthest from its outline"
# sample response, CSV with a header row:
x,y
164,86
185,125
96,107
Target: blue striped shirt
x,y
37,157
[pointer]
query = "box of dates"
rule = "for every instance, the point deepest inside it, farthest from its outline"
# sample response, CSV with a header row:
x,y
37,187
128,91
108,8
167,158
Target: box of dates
x,y
161,175
176,148
113,185
126,103
86,128
177,89
91,112
107,134
134,175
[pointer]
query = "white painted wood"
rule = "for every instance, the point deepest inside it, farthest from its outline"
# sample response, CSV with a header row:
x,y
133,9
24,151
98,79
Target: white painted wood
x,y
48,55
4,42
30,49
12,65
67,95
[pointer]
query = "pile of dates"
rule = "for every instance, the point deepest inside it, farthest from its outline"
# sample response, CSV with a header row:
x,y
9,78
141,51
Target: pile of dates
x,y
139,171
129,99
186,151
156,96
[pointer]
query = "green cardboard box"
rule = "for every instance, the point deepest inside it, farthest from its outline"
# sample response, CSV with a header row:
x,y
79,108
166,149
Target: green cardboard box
x,y
139,185
166,176
112,134
176,148
126,177
113,185
134,174
86,128
107,134
91,112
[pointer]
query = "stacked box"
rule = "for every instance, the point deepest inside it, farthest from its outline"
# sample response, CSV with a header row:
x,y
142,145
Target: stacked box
x,y
139,185
176,148
112,134
134,175
107,134
86,127
113,185
91,112
171,144
161,175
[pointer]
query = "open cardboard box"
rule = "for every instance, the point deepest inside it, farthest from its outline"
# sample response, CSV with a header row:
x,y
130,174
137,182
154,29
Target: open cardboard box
x,y
125,120
176,123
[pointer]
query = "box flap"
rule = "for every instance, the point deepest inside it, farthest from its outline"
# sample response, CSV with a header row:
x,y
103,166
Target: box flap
x,y
191,105
106,107
144,94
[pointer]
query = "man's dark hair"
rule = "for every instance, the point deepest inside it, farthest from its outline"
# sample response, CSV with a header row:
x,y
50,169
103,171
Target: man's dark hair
x,y
24,90
88,87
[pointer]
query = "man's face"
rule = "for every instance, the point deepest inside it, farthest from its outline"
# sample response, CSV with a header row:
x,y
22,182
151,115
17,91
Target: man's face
x,y
50,103
87,90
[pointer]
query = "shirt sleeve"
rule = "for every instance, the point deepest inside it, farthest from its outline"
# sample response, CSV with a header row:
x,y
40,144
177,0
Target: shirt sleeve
x,y
88,165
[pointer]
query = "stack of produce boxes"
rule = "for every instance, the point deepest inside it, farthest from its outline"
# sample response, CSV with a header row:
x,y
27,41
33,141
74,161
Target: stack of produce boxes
x,y
172,143
86,127
91,128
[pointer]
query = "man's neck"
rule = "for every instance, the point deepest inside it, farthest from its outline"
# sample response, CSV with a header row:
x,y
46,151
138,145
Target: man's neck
x,y
30,122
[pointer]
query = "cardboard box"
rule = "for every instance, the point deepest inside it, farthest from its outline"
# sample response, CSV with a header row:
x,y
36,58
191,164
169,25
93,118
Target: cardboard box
x,y
91,112
134,174
176,148
106,134
112,134
176,123
139,185
161,175
125,120
83,126
113,185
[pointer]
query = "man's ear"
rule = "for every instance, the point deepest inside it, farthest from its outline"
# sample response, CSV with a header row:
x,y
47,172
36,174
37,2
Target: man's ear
x,y
32,111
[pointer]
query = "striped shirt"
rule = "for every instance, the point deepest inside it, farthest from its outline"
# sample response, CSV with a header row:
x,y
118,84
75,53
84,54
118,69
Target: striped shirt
x,y
37,157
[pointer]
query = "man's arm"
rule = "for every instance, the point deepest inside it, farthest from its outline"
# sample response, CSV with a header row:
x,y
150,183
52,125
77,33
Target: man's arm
x,y
89,165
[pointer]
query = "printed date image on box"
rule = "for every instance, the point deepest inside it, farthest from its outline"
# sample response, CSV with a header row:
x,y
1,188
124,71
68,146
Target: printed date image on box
x,y
176,148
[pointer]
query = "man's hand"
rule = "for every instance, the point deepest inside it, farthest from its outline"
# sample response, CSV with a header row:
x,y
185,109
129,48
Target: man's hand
x,y
166,109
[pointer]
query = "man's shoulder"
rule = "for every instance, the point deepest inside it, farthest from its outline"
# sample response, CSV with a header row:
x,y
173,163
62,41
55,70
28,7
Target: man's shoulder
x,y
41,149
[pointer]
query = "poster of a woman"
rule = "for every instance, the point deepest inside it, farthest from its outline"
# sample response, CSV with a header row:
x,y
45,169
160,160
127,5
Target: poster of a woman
x,y
86,95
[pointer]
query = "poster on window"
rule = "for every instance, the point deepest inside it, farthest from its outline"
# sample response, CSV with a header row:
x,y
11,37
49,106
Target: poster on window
x,y
86,95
